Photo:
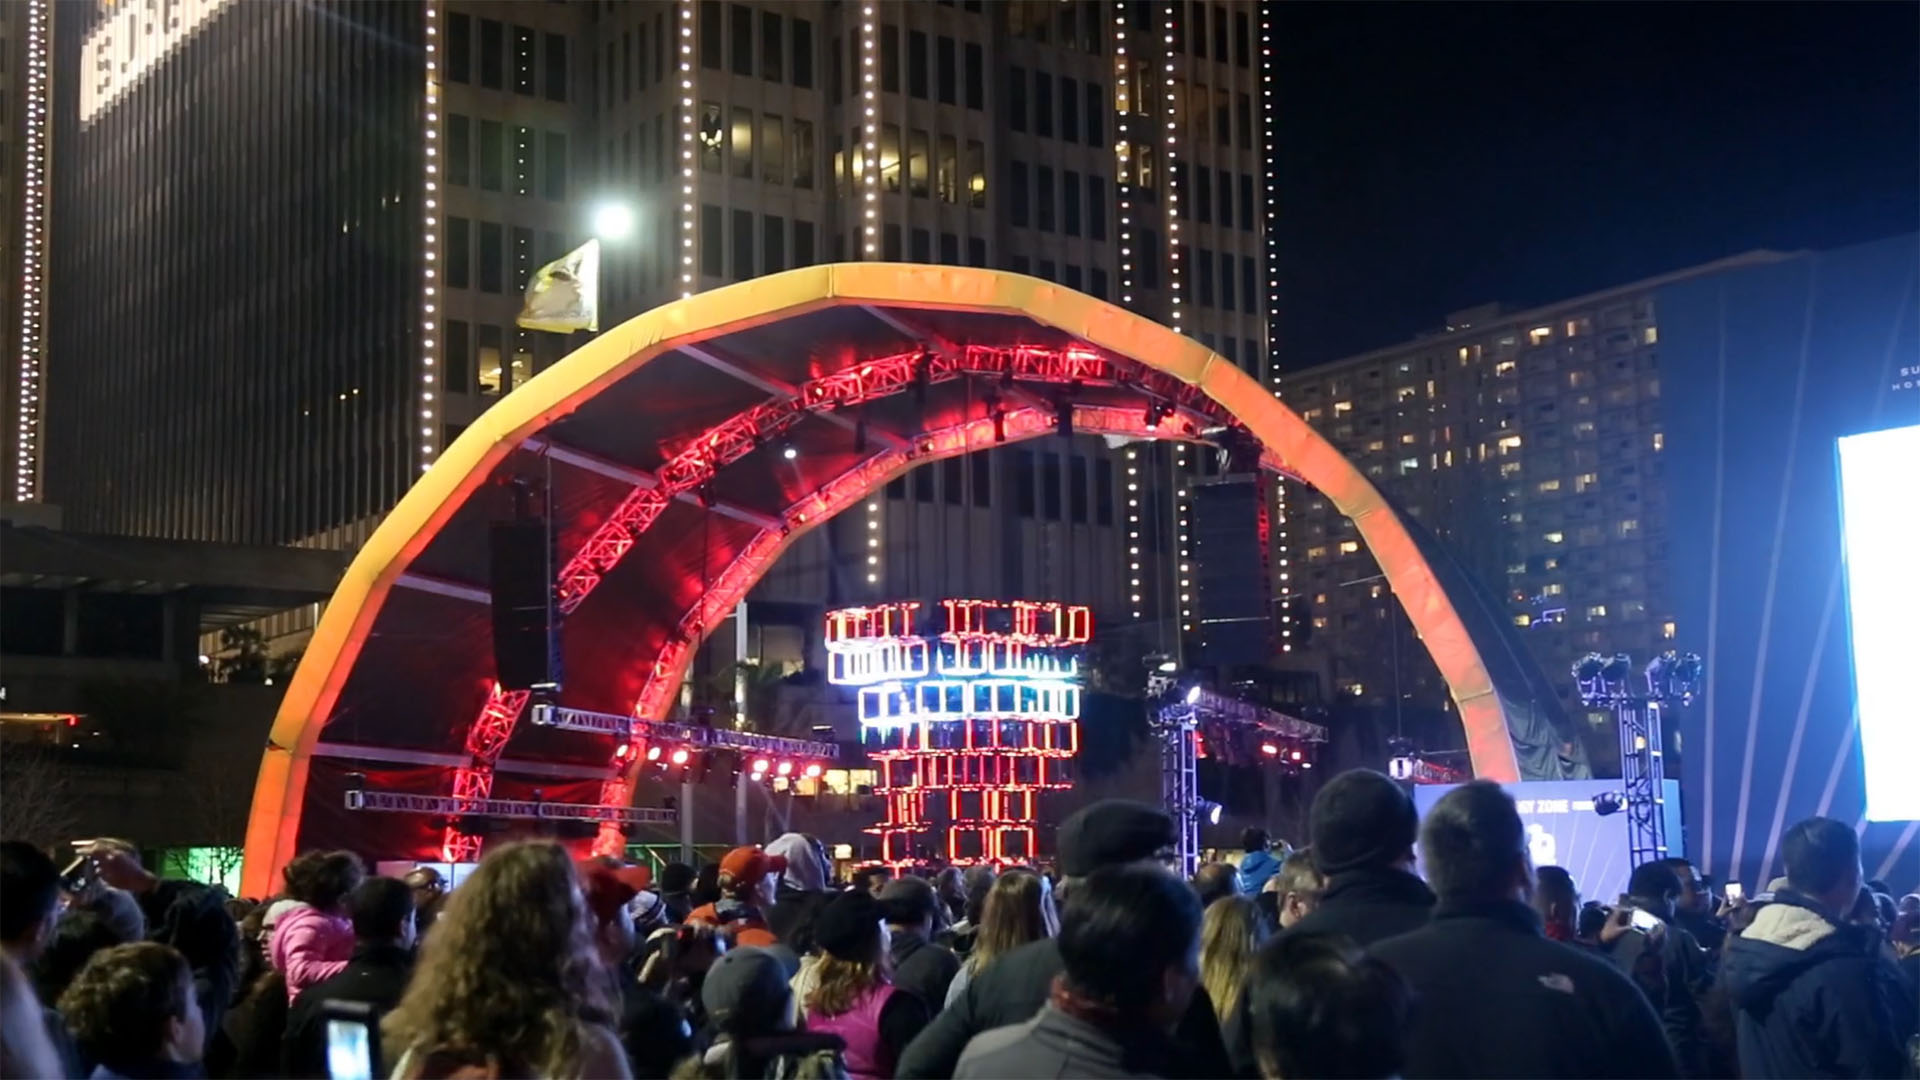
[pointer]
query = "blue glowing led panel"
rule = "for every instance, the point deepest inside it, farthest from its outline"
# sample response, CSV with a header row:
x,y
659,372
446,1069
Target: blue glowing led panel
x,y
1880,521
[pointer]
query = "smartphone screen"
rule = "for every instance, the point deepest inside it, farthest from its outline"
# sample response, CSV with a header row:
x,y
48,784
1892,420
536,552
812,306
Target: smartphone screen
x,y
1644,920
349,1050
1734,891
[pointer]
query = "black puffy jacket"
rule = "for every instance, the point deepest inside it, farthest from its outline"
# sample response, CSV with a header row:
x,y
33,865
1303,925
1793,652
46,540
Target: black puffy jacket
x,y
1816,998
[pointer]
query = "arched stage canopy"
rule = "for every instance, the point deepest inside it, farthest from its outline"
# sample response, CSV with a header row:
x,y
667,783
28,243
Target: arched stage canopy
x,y
661,445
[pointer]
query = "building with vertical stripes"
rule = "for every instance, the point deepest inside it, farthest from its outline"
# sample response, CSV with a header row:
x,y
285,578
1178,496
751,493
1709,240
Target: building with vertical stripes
x,y
292,242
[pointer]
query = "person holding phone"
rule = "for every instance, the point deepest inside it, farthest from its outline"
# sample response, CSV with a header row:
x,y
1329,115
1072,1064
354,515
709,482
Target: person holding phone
x,y
185,915
384,928
1662,957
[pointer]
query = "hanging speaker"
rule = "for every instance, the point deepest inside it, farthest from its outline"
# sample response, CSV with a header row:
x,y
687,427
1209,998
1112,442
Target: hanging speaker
x,y
526,628
1233,594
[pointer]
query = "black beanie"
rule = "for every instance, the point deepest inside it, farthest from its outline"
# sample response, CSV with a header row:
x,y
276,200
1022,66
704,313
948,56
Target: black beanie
x,y
1361,820
848,925
1110,832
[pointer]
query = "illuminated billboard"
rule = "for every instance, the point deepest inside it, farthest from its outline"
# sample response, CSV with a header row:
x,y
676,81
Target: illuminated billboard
x,y
1880,516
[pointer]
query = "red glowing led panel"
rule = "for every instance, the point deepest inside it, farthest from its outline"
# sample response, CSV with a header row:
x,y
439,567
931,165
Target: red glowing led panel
x,y
967,722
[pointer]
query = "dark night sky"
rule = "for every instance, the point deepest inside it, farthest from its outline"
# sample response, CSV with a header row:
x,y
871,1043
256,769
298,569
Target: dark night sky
x,y
1436,156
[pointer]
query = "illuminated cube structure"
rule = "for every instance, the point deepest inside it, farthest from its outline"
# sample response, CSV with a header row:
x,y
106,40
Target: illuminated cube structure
x,y
968,723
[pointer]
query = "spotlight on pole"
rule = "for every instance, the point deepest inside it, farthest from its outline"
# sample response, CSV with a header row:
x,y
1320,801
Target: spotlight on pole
x,y
1193,695
1211,811
1608,803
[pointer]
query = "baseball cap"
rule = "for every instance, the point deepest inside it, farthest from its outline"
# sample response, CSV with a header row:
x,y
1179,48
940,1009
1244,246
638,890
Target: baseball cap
x,y
750,863
609,885
1110,832
746,990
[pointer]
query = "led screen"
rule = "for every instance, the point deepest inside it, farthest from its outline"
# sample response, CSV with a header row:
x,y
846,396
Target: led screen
x,y
1880,516
1564,831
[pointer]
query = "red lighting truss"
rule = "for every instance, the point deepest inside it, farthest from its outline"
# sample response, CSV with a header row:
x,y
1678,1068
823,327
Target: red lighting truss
x,y
486,737
969,723
697,461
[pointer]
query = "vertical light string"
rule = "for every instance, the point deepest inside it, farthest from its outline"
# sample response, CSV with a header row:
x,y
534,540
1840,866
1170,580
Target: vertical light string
x,y
33,225
1176,317
1123,101
1271,254
684,17
430,255
873,541
1124,98
1133,529
869,131
1171,155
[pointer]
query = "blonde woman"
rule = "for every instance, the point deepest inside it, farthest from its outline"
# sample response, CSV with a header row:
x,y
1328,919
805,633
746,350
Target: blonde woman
x,y
1230,933
509,980
853,995
1018,910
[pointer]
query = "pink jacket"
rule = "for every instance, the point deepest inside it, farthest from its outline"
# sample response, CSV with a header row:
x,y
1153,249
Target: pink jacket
x,y
309,945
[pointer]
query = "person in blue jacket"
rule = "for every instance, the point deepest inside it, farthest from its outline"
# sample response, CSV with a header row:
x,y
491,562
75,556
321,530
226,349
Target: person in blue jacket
x,y
1258,864
1813,994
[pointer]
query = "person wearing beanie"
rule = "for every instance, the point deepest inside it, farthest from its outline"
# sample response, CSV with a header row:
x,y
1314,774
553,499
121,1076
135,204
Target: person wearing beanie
x,y
676,890
1363,825
913,913
1112,832
750,1011
853,995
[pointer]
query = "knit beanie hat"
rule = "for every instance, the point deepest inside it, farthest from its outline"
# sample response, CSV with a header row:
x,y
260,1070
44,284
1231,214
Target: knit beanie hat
x,y
1361,820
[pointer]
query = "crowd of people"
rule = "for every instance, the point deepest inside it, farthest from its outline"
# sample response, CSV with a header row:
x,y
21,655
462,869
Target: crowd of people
x,y
1333,960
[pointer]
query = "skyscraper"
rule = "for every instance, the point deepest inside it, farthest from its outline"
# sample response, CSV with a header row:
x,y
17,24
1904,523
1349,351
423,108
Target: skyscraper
x,y
293,242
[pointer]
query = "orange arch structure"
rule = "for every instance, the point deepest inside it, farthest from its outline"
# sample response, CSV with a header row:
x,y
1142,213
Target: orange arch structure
x,y
658,447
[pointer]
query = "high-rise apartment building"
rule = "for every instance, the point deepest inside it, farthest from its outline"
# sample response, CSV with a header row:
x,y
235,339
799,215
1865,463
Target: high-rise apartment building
x,y
294,241
1531,442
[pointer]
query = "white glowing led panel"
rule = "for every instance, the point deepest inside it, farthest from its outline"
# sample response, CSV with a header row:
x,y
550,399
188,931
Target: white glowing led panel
x,y
1880,519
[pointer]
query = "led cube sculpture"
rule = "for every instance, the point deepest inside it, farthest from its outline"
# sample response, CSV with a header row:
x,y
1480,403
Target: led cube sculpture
x,y
970,722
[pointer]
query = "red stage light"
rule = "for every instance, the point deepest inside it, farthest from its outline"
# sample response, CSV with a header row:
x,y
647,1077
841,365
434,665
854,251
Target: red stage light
x,y
653,753
1297,755
680,756
785,769
761,765
812,772
623,752
1269,749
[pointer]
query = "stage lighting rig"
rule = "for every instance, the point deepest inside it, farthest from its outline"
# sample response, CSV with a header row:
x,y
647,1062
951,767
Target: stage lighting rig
x,y
1673,676
1603,681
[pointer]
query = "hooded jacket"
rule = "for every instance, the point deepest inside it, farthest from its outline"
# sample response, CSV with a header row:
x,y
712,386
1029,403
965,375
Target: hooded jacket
x,y
1255,868
308,946
1813,997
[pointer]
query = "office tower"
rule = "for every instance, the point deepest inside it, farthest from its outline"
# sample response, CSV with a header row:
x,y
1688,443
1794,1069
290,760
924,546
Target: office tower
x,y
293,240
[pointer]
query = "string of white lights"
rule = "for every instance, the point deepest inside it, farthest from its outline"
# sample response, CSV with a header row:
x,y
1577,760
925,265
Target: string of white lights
x,y
869,132
1271,241
1171,157
684,17
33,221
430,261
873,541
1123,102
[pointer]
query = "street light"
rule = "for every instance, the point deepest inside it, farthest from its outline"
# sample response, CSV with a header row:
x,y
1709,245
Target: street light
x,y
613,221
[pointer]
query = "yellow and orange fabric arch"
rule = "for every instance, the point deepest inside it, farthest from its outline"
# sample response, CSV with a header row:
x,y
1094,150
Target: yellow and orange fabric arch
x,y
552,396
